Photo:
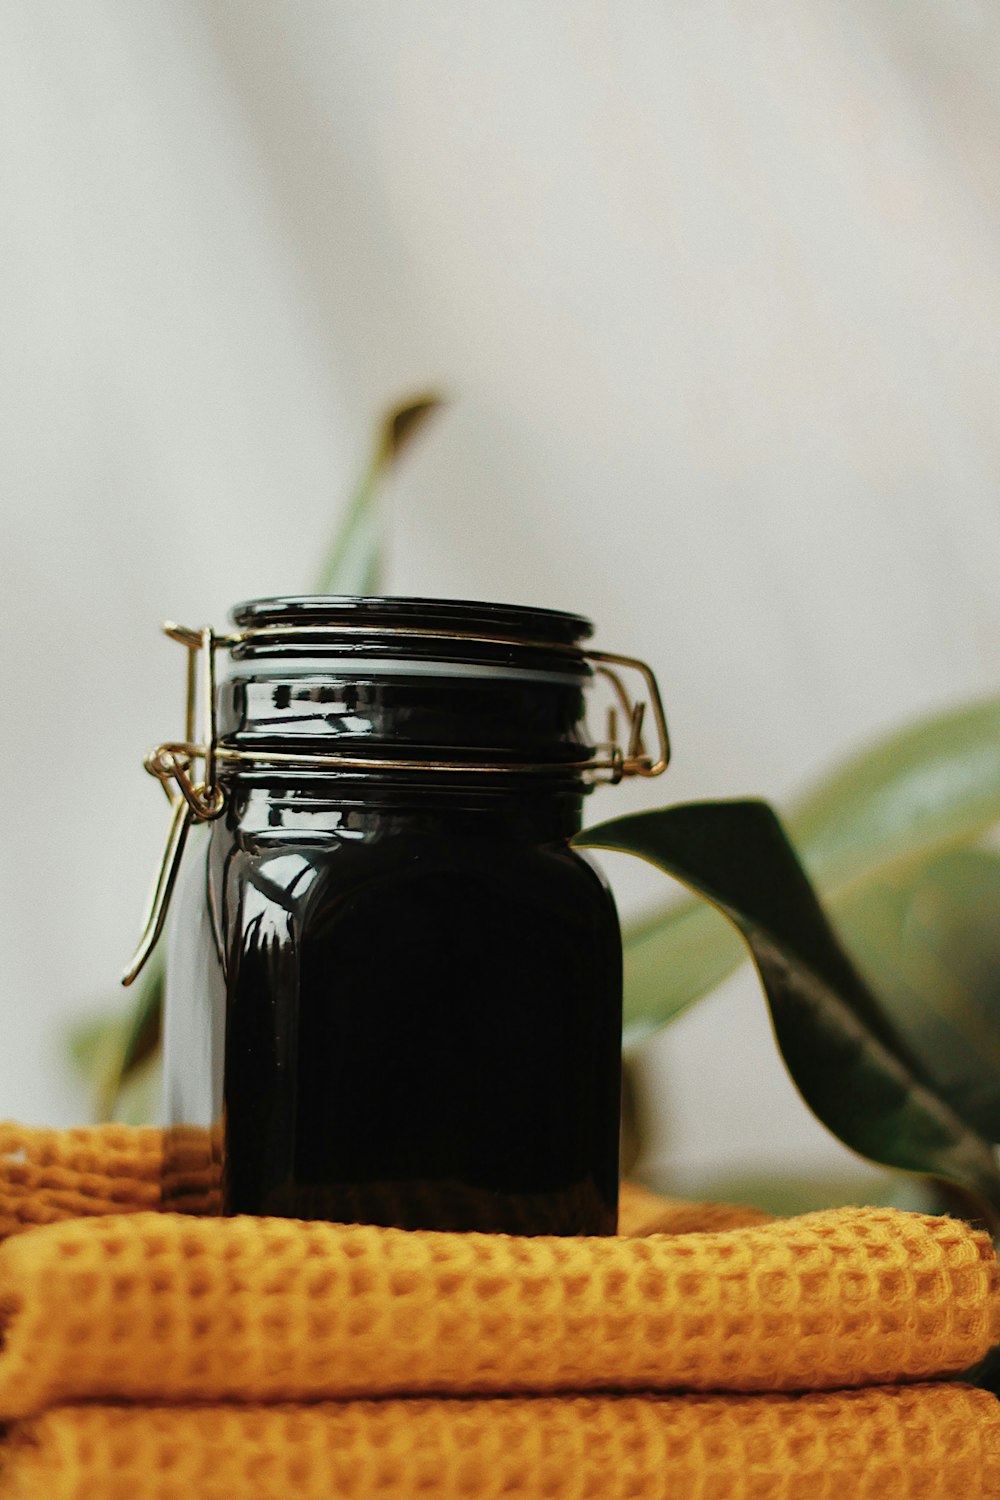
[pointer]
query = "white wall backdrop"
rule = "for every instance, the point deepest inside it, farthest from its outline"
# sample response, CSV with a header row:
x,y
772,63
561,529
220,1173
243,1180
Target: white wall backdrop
x,y
714,289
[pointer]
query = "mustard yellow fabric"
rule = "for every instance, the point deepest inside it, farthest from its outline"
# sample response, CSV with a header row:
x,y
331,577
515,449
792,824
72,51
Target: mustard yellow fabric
x,y
154,1307
145,1354
937,1442
50,1175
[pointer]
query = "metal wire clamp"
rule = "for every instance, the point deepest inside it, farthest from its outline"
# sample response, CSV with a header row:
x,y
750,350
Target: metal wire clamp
x,y
198,797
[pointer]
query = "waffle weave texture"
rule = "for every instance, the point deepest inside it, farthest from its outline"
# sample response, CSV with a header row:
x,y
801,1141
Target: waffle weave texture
x,y
281,1332
47,1176
939,1442
166,1307
50,1175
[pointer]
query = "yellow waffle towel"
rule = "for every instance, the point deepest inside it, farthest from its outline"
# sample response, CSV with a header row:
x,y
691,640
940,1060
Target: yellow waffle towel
x,y
105,1300
152,1307
936,1442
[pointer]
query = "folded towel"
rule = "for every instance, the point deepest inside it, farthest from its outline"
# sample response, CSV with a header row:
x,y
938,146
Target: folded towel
x,y
938,1442
170,1308
50,1175
109,1302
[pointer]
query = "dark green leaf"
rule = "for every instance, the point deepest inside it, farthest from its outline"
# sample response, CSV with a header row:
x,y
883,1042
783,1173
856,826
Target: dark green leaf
x,y
404,423
929,943
844,1055
917,792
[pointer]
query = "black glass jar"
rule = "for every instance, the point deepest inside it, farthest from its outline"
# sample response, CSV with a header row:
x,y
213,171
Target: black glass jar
x,y
394,988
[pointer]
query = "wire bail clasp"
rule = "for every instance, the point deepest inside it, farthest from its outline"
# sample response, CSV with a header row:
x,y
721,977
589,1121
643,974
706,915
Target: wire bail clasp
x,y
193,799
633,760
196,796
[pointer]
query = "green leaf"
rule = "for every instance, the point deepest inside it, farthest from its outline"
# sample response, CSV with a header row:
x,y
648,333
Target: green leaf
x,y
106,1048
881,815
672,959
355,561
845,1056
140,1035
139,1100
92,1040
929,943
926,787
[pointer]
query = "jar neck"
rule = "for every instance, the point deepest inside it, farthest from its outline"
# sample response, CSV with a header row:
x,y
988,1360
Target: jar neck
x,y
421,683
504,716
537,811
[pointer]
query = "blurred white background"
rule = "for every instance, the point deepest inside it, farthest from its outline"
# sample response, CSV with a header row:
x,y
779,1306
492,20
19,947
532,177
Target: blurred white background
x,y
714,289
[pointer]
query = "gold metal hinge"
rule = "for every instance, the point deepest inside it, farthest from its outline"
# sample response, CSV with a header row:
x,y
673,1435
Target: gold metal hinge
x,y
188,769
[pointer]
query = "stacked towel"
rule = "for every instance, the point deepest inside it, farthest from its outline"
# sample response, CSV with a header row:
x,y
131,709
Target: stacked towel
x,y
154,1356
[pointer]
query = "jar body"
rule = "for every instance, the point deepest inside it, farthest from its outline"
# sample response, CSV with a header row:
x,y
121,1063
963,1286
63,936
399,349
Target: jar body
x,y
399,1004
394,988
